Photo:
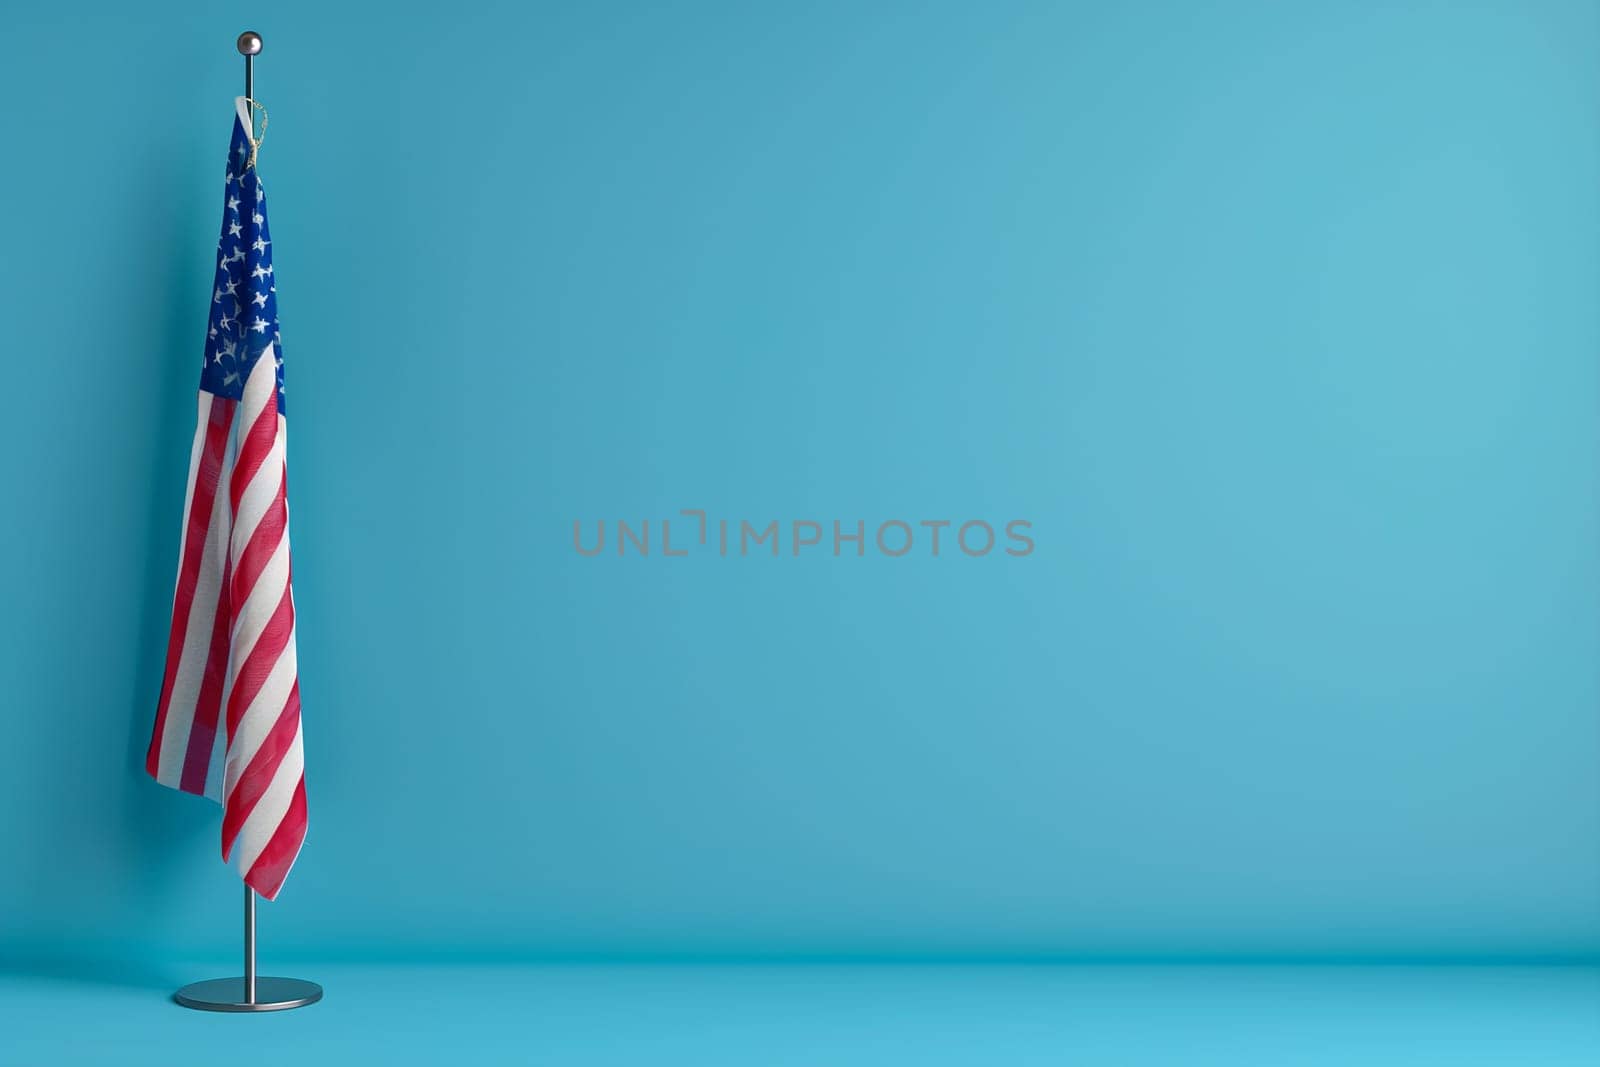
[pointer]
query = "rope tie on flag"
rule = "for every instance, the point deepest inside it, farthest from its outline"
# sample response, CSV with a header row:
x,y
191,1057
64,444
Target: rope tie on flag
x,y
255,142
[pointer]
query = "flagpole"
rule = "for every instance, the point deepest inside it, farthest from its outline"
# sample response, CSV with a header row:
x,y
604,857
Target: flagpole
x,y
249,945
249,993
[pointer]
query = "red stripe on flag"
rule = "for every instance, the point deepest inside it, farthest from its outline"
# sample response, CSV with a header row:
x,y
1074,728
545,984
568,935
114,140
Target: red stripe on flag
x,y
255,448
203,731
207,477
263,543
263,765
252,674
266,875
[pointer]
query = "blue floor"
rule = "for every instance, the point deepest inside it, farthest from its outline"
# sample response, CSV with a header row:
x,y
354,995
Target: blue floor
x,y
831,1015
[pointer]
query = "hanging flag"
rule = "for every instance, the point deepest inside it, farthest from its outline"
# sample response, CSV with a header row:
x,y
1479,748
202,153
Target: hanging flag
x,y
228,723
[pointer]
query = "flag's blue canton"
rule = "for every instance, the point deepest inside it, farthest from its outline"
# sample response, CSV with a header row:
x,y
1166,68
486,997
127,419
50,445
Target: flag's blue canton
x,y
244,300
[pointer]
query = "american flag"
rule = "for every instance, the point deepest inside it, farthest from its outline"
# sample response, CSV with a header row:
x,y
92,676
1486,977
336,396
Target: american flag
x,y
228,724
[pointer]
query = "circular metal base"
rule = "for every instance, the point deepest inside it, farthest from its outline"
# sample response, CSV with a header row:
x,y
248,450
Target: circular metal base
x,y
227,994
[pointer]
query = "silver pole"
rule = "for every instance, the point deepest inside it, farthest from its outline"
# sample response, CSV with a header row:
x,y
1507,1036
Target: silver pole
x,y
249,45
249,945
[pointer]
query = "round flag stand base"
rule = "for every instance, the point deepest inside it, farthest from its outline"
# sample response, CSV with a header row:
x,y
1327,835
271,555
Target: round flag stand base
x,y
249,992
228,994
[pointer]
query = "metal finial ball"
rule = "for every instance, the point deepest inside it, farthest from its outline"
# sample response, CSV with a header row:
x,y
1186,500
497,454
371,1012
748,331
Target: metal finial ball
x,y
249,43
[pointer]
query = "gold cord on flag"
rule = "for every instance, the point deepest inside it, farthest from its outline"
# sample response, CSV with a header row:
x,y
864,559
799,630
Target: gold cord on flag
x,y
255,142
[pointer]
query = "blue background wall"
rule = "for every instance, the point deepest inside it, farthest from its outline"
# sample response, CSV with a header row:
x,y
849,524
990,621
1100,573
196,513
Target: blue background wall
x,y
1278,322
